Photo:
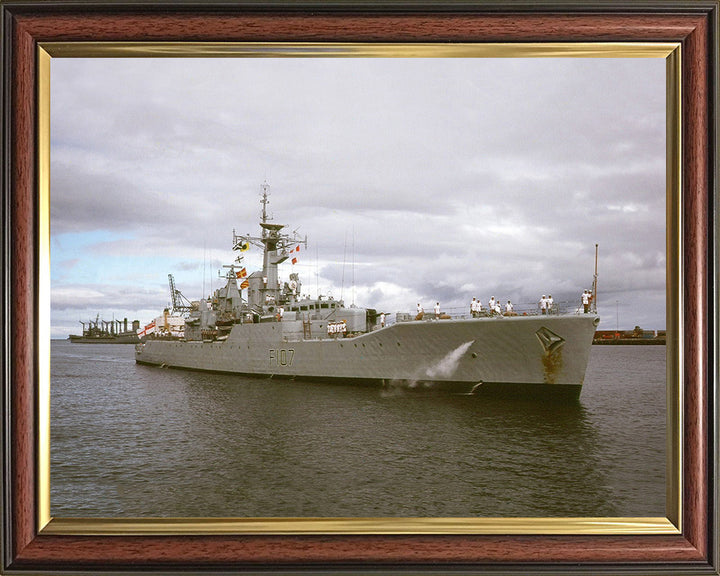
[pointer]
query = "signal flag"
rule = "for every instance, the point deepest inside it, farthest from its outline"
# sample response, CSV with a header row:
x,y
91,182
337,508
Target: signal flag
x,y
149,329
244,284
241,274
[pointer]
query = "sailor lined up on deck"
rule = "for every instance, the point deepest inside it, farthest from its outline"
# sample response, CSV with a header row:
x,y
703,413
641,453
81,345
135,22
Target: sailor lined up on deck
x,y
546,304
509,309
491,304
586,297
475,308
437,310
543,305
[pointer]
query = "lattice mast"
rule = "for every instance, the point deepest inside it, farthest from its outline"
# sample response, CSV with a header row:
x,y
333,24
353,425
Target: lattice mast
x,y
276,245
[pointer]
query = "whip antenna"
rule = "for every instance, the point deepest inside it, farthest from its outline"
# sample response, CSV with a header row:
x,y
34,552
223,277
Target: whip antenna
x,y
595,277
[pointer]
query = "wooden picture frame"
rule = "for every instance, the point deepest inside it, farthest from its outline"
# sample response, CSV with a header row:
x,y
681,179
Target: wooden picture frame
x,y
29,24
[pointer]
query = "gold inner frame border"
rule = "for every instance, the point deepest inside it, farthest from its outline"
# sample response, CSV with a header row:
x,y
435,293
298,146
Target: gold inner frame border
x,y
671,524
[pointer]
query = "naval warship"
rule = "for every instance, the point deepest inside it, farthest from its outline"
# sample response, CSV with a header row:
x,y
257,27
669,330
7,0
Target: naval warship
x,y
276,332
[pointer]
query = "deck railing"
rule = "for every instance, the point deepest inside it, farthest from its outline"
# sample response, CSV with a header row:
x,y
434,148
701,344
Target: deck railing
x,y
521,309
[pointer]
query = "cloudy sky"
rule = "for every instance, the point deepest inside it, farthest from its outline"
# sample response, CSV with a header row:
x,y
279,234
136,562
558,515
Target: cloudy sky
x,y
415,180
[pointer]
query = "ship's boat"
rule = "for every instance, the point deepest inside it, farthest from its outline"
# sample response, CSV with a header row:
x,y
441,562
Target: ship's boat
x,y
276,332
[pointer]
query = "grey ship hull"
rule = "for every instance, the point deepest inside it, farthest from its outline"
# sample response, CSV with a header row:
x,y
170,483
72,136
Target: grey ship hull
x,y
526,354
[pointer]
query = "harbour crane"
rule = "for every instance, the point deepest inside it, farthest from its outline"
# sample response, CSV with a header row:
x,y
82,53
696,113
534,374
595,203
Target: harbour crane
x,y
180,304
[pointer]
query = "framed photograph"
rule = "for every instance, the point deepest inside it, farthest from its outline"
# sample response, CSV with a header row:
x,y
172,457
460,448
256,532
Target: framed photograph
x,y
389,157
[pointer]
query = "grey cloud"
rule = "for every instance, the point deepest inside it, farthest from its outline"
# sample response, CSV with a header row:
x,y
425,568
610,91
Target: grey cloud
x,y
102,298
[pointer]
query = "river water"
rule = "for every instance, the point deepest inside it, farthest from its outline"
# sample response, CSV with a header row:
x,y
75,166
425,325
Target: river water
x,y
138,441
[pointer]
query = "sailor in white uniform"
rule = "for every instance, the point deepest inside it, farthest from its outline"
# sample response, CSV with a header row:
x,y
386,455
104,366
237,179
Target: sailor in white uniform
x,y
585,301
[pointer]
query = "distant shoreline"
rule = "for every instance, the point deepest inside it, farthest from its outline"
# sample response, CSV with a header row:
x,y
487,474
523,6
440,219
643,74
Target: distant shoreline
x,y
635,337
631,342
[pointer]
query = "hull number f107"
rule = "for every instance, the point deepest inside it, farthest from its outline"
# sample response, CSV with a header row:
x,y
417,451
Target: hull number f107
x,y
282,356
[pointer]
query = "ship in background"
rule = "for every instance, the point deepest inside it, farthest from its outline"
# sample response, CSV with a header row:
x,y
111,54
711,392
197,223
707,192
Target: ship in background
x,y
635,337
276,332
107,332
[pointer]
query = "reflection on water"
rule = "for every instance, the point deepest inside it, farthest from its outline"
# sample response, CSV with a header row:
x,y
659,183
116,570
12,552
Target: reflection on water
x,y
131,440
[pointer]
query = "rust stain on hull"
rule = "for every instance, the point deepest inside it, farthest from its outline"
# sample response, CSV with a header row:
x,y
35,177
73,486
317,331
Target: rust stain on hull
x,y
552,365
552,359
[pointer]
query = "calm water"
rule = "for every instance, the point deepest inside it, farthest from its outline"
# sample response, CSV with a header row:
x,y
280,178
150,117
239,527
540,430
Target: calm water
x,y
131,441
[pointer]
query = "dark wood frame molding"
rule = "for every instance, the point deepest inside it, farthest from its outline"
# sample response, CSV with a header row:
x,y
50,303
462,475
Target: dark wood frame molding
x,y
693,23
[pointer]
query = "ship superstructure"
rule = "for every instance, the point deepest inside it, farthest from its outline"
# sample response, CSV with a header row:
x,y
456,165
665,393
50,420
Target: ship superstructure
x,y
278,332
